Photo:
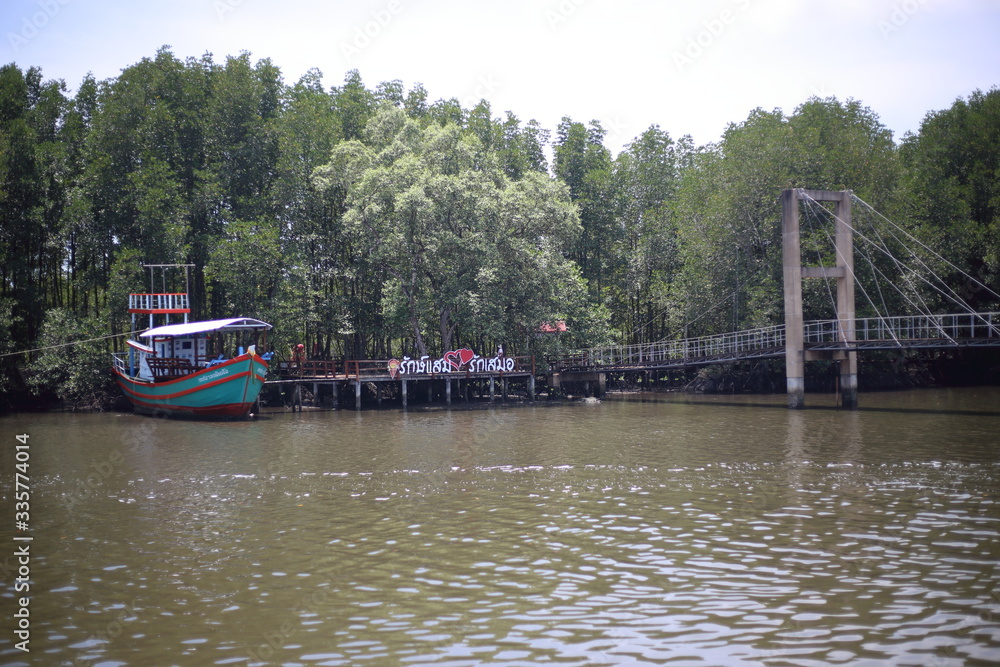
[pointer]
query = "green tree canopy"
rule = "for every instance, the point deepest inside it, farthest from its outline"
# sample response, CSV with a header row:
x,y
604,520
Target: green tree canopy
x,y
951,193
373,222
464,247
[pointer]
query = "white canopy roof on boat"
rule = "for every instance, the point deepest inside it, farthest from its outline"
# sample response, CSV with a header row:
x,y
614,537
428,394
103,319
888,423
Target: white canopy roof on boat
x,y
190,328
142,347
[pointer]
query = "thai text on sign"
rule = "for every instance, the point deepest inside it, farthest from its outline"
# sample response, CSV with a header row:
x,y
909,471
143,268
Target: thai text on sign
x,y
453,361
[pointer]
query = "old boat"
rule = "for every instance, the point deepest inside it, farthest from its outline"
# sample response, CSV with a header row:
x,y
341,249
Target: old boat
x,y
183,369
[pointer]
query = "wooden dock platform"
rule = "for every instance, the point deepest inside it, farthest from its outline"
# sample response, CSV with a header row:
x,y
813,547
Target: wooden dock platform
x,y
386,380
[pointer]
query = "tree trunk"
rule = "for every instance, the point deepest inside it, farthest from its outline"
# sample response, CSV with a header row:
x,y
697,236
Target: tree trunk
x,y
446,329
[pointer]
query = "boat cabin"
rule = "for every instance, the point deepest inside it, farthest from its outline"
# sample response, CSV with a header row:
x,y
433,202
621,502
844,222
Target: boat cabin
x,y
181,349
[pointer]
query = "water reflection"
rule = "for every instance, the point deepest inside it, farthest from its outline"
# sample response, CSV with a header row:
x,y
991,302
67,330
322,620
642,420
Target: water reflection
x,y
658,532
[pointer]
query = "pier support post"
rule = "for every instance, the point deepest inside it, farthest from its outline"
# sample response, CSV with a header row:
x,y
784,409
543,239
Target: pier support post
x,y
403,392
531,387
357,394
555,384
848,387
493,389
447,391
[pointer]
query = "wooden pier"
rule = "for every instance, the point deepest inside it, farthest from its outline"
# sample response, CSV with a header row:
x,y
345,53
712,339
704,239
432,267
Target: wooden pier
x,y
381,383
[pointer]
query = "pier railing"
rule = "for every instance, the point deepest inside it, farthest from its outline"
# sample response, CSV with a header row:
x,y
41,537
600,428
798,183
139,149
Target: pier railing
x,y
356,369
309,368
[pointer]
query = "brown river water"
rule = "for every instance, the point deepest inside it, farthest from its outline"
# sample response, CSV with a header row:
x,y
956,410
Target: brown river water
x,y
641,530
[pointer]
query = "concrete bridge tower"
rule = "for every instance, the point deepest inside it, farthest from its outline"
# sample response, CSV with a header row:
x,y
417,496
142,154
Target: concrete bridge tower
x,y
795,353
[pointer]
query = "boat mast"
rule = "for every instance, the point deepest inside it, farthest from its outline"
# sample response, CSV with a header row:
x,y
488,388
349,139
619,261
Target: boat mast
x,y
162,303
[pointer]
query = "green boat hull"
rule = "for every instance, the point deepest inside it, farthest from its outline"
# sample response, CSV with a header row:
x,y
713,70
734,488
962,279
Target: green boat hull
x,y
226,390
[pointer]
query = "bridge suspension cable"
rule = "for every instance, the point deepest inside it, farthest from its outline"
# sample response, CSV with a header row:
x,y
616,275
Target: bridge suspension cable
x,y
948,293
920,307
925,247
888,240
881,246
883,317
735,292
813,204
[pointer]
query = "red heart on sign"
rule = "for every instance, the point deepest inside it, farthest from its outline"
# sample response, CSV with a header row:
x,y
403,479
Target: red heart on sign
x,y
454,359
466,355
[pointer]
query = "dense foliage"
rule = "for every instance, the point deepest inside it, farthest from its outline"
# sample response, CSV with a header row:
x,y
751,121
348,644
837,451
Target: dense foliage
x,y
369,223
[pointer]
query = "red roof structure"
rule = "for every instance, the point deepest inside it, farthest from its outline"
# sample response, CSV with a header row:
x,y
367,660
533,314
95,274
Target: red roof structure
x,y
559,326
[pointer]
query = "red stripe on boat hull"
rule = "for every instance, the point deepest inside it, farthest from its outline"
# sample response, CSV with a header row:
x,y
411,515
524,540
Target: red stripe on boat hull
x,y
185,392
230,396
233,410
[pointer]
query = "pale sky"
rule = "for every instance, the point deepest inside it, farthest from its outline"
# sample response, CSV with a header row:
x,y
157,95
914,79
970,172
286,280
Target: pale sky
x,y
690,67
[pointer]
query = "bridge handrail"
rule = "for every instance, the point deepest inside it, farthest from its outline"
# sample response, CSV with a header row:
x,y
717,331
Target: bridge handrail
x,y
907,327
896,328
688,348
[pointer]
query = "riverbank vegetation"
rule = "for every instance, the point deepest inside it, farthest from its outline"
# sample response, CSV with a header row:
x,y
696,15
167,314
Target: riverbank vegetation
x,y
370,222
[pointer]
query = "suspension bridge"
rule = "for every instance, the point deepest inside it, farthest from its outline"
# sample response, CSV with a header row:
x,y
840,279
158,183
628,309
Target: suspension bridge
x,y
838,339
822,340
799,341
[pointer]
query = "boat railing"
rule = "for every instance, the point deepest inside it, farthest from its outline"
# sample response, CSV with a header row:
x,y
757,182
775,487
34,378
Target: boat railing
x,y
166,368
120,362
158,304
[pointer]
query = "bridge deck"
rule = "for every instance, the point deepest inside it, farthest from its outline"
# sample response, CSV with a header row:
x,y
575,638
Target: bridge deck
x,y
869,334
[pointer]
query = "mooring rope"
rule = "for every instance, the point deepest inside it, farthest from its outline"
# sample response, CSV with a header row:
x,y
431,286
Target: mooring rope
x,y
54,347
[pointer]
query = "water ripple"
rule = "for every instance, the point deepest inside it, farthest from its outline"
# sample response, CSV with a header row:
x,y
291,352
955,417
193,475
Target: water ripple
x,y
447,542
